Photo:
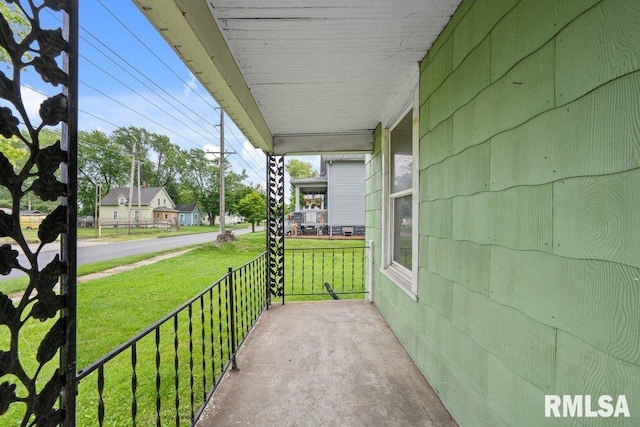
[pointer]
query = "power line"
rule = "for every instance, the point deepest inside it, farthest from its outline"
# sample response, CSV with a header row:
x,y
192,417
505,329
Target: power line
x,y
257,162
145,98
115,17
122,59
168,67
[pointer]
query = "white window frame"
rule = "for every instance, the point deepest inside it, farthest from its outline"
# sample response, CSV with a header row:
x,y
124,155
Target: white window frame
x,y
114,215
405,279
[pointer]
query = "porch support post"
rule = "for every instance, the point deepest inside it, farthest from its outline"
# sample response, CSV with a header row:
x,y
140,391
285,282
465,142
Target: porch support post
x,y
297,199
275,226
40,385
68,251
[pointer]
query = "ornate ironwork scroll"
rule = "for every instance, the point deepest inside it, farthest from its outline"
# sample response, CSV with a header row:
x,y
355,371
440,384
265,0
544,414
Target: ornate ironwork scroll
x,y
37,328
275,224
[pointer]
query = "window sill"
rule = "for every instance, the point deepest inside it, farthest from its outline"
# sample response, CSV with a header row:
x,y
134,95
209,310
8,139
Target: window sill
x,y
400,278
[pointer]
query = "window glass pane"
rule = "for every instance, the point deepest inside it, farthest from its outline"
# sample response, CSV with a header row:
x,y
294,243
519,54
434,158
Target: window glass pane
x,y
402,236
401,155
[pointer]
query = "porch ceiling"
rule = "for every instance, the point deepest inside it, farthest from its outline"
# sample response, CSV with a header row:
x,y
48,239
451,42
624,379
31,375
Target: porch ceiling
x,y
302,76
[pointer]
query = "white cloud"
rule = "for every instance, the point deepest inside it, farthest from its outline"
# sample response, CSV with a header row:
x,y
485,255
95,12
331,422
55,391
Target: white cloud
x,y
190,87
252,154
210,150
32,100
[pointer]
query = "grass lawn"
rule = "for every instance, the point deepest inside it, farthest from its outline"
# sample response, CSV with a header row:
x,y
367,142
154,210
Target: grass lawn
x,y
310,263
112,310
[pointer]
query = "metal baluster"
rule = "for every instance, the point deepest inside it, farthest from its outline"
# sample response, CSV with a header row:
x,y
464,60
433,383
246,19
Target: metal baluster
x,y
176,363
237,281
228,281
221,364
134,384
191,379
158,422
232,319
353,268
343,257
211,336
322,281
362,270
100,395
313,270
293,269
303,269
333,266
204,349
250,295
245,297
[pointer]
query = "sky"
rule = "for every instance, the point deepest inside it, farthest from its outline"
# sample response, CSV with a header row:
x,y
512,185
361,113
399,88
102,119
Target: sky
x,y
129,76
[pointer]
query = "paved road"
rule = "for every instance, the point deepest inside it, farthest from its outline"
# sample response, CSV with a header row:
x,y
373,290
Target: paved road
x,y
89,251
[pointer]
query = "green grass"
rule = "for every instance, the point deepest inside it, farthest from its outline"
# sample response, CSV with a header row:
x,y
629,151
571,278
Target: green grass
x,y
15,285
112,310
309,263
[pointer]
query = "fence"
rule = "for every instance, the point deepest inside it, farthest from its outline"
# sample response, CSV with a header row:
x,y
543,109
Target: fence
x,y
169,371
326,272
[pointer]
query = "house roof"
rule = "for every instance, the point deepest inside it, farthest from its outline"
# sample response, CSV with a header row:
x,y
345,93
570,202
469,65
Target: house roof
x,y
186,207
303,77
343,158
305,181
147,194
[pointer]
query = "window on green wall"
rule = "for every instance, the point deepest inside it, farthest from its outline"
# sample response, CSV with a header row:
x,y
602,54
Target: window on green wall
x,y
400,147
401,191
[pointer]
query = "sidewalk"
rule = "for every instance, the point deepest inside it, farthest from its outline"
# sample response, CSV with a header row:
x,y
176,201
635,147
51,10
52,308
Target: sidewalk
x,y
115,270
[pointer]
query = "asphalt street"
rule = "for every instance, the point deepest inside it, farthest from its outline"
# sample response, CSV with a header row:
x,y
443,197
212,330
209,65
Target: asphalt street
x,y
90,251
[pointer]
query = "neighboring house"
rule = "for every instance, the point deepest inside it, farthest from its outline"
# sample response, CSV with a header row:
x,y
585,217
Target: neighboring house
x,y
501,182
228,219
154,207
31,219
189,214
334,201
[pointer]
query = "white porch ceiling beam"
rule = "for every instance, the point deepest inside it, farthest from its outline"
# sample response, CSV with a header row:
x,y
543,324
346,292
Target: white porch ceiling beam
x,y
193,33
323,143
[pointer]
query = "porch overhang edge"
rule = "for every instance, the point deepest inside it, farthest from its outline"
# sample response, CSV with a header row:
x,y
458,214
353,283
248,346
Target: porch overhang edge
x,y
193,33
351,142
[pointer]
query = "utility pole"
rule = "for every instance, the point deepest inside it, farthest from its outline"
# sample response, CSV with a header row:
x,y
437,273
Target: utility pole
x,y
222,205
139,203
133,174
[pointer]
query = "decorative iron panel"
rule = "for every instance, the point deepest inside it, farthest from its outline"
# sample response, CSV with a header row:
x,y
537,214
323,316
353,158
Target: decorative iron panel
x,y
37,328
275,224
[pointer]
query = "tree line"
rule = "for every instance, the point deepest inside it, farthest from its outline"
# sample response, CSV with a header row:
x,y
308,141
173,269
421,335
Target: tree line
x,y
189,176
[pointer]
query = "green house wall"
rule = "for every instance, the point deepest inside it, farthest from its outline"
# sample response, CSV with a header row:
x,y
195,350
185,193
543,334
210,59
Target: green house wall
x,y
529,225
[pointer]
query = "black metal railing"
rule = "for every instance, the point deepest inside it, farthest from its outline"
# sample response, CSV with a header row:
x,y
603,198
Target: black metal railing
x,y
170,370
327,272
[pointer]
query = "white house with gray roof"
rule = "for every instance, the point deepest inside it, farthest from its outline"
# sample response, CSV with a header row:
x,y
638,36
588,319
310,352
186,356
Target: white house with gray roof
x,y
149,206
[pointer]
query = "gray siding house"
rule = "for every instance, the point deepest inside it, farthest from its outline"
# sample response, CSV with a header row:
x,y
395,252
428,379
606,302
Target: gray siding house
x,y
189,214
334,201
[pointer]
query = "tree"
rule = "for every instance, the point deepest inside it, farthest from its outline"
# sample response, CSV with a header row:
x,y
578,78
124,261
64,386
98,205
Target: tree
x,y
297,169
17,22
102,161
253,207
169,161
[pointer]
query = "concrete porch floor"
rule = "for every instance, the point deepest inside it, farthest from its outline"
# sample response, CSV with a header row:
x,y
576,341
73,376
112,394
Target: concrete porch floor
x,y
333,363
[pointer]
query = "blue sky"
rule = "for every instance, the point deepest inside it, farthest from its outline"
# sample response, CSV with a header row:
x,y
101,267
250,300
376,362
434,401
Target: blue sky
x,y
129,76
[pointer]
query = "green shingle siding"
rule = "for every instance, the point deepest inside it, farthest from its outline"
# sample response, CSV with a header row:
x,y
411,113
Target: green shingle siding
x,y
529,271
